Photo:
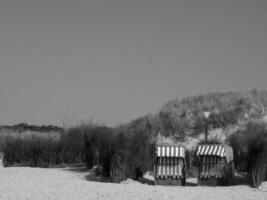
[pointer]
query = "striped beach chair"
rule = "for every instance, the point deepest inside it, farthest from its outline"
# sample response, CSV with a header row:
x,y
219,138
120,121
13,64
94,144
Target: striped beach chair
x,y
215,164
170,165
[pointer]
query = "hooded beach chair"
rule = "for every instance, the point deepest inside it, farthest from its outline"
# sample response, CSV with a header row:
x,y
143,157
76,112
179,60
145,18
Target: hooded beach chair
x,y
170,165
215,164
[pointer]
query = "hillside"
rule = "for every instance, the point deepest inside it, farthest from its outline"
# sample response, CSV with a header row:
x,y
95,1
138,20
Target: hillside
x,y
183,119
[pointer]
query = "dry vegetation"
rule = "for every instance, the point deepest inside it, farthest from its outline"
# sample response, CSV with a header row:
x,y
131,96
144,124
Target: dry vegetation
x,y
128,150
250,149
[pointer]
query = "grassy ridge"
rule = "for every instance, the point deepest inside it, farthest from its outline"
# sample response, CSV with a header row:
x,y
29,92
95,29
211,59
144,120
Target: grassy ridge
x,y
184,117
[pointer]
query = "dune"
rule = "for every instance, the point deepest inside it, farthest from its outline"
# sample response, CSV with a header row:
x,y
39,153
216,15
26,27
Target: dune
x,y
63,184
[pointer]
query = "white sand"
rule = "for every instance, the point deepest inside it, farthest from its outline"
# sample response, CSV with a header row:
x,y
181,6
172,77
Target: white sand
x,y
37,184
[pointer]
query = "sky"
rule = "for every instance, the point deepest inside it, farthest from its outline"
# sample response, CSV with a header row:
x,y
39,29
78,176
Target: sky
x,y
62,61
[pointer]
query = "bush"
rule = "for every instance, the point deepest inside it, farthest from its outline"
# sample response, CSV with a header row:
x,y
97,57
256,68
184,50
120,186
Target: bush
x,y
122,152
142,154
258,169
250,151
97,147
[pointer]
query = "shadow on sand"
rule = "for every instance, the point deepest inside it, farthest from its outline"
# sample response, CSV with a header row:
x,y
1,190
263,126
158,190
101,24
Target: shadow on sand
x,y
240,179
146,181
78,169
190,183
89,174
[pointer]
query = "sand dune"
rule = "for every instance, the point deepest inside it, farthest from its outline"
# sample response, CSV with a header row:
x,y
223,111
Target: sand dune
x,y
63,184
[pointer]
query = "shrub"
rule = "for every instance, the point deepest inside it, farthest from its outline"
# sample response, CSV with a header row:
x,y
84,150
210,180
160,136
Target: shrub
x,y
97,147
250,151
133,153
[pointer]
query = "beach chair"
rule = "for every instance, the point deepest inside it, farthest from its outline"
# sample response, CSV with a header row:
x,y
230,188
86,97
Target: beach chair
x,y
215,165
169,166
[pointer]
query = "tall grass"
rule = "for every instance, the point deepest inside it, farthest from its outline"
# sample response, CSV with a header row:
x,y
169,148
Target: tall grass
x,y
122,152
34,152
39,151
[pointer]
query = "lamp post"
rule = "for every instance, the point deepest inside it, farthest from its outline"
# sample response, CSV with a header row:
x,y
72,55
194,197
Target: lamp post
x,y
206,114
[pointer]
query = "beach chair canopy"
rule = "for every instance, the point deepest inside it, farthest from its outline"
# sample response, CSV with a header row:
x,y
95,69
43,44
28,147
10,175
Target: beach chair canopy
x,y
216,150
170,151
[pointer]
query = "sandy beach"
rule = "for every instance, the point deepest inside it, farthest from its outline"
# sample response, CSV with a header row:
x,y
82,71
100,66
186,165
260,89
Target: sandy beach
x,y
61,184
